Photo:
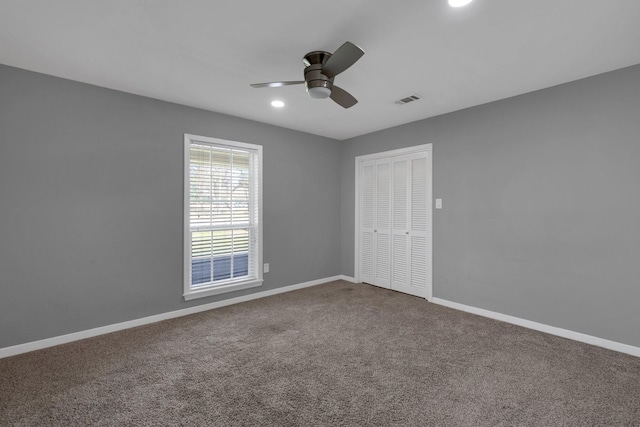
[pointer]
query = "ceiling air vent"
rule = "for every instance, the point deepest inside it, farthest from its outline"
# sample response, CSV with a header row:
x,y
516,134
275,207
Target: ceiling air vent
x,y
407,100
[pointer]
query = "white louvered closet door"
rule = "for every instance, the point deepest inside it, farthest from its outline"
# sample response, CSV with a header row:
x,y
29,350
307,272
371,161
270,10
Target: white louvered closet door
x,y
367,221
419,247
382,230
409,249
394,223
401,255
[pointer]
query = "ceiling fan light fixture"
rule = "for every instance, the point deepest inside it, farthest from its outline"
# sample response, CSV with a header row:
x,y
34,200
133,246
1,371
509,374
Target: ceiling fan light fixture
x,y
319,92
459,3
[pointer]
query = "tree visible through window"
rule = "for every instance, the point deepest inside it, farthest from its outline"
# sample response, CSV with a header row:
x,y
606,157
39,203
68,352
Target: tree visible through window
x,y
223,214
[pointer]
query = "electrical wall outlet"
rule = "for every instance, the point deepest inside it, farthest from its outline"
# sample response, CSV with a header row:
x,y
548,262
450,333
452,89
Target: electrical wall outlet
x,y
266,268
438,203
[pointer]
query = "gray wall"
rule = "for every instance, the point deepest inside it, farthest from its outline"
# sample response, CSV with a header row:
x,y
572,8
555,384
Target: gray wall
x,y
91,204
541,196
540,221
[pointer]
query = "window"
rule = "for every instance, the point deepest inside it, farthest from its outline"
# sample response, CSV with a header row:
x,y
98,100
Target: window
x,y
222,216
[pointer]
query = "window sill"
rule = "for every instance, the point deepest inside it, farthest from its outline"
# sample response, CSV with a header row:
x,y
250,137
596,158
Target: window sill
x,y
221,289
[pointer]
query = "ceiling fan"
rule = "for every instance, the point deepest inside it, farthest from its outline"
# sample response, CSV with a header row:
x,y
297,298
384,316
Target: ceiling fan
x,y
320,70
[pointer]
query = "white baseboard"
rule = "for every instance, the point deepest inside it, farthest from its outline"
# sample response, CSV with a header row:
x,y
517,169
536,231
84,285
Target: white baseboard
x,y
565,333
63,339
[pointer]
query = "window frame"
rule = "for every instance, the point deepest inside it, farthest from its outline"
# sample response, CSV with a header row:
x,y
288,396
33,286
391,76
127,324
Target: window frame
x,y
233,284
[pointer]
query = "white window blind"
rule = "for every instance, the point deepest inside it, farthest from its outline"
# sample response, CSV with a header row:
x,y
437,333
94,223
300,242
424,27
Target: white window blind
x,y
222,216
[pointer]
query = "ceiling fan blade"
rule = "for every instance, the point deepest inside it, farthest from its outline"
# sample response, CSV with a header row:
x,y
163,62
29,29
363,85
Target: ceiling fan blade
x,y
342,97
343,58
277,84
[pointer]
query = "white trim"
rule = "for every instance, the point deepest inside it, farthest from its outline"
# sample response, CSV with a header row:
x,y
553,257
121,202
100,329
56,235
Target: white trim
x,y
356,229
186,236
220,141
221,289
429,295
89,333
63,339
393,153
564,333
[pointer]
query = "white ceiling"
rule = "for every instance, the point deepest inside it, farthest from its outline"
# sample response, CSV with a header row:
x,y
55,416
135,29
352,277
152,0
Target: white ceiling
x,y
204,53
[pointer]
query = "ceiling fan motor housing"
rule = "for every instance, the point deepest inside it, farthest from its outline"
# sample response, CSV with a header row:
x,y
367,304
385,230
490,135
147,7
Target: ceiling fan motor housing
x,y
318,85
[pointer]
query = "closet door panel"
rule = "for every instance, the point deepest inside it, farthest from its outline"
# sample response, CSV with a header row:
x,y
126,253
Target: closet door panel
x,y
383,260
418,263
400,268
400,194
367,263
382,227
401,273
367,209
419,194
418,228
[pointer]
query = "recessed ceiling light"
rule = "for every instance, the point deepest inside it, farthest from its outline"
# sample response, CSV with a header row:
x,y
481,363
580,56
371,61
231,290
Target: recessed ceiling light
x,y
459,3
277,104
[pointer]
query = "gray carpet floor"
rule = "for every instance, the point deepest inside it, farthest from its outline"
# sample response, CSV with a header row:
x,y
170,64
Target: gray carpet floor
x,y
335,354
